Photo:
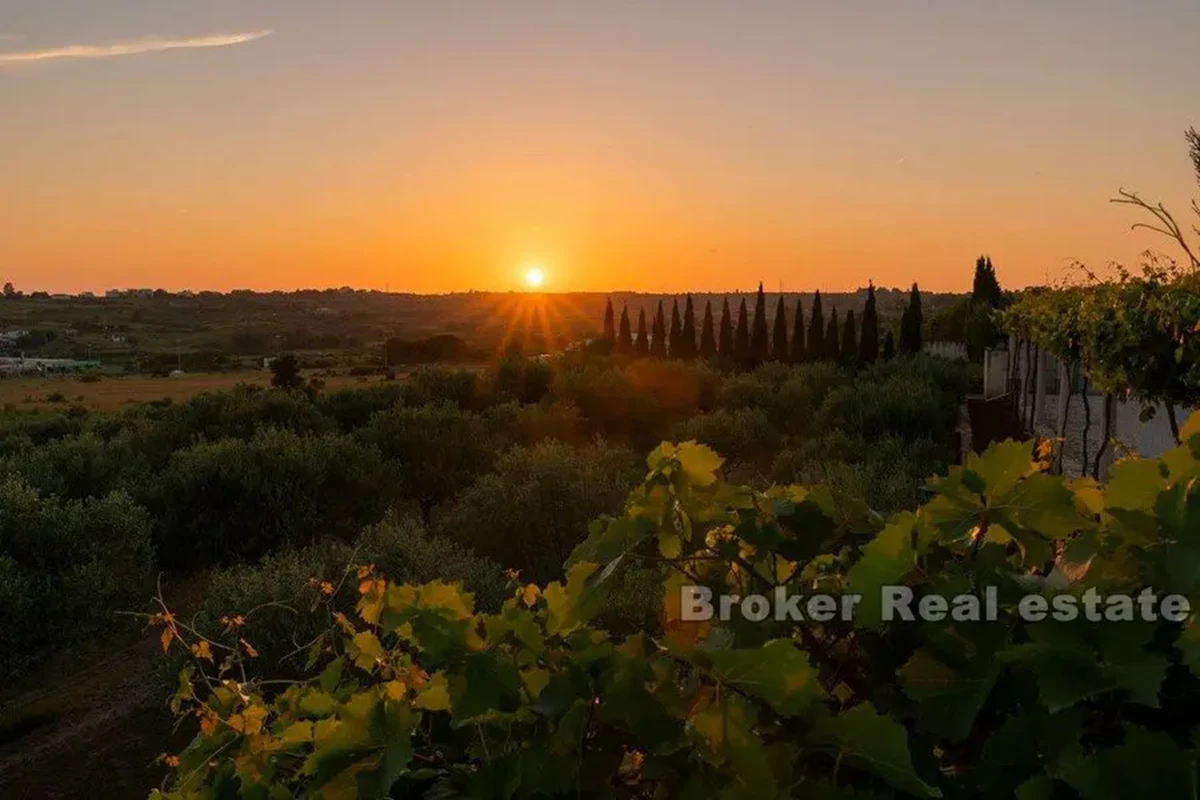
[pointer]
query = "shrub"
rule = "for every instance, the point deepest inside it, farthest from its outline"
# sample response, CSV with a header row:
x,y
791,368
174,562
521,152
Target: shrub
x,y
790,396
948,378
902,405
637,401
81,466
433,451
534,508
513,424
745,434
887,473
158,431
41,428
351,409
13,444
223,501
66,567
400,546
277,597
524,380
459,387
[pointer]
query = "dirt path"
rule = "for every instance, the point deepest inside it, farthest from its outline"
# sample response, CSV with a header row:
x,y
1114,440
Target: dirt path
x,y
91,731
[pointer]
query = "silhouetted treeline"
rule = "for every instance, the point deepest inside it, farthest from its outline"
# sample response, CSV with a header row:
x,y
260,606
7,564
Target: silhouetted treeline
x,y
430,350
749,341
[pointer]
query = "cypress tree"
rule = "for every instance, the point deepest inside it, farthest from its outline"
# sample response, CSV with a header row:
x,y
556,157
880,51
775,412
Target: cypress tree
x,y
708,339
868,346
816,331
741,340
918,322
996,293
759,341
849,341
798,353
624,337
641,347
986,288
889,346
610,334
658,344
910,323
674,342
831,350
725,342
688,344
779,341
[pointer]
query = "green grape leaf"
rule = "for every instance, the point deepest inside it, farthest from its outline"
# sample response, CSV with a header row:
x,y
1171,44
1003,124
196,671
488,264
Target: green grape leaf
x,y
777,672
1044,504
824,790
1146,765
317,704
1133,484
1001,466
1178,510
1089,495
1069,668
885,561
948,699
365,649
434,695
865,739
699,463
391,725
610,538
1189,644
487,683
572,605
669,543
1039,787
725,730
1190,427
954,511
1027,746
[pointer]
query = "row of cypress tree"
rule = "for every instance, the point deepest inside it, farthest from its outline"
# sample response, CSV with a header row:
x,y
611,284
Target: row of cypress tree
x,y
749,343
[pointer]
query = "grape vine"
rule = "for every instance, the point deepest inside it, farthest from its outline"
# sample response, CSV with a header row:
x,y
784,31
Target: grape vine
x,y
1133,336
415,694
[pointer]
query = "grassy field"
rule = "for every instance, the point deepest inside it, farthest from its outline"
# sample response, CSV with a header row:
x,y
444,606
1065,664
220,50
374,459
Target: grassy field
x,y
111,393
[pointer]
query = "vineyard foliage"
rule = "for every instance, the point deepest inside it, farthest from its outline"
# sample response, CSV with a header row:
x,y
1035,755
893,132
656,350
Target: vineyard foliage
x,y
1133,335
417,694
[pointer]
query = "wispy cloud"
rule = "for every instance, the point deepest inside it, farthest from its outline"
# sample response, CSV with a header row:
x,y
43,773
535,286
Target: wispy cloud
x,y
129,48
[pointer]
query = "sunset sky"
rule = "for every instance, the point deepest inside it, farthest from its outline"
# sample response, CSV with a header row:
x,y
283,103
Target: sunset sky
x,y
661,146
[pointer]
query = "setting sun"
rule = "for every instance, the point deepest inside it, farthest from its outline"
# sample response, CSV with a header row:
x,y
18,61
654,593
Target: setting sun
x,y
535,277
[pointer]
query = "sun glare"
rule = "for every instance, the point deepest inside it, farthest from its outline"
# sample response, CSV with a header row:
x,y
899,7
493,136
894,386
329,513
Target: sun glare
x,y
535,277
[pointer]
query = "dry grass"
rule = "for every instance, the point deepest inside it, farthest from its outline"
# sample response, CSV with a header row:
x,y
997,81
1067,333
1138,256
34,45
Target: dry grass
x,y
112,393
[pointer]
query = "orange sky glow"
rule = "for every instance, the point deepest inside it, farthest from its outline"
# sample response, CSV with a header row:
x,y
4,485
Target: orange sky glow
x,y
655,147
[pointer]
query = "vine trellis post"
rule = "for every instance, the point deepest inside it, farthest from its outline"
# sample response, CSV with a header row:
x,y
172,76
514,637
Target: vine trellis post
x,y
1029,375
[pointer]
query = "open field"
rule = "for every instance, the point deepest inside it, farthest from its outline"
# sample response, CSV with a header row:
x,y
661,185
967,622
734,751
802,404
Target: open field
x,y
112,393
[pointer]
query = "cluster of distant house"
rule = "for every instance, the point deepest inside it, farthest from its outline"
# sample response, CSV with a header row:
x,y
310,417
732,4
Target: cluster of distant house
x,y
19,365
